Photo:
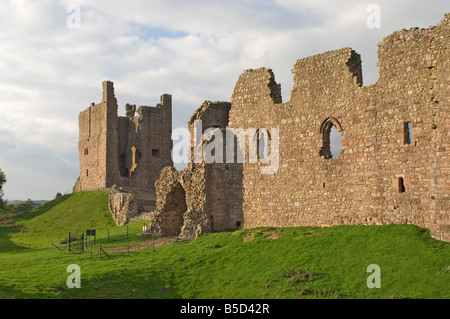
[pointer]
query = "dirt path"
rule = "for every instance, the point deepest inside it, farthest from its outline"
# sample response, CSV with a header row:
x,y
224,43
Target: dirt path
x,y
146,244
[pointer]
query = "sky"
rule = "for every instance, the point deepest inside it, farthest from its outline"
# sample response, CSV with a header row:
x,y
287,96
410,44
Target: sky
x,y
54,56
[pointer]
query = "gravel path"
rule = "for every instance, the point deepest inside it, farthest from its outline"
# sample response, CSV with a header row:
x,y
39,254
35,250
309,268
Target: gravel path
x,y
146,244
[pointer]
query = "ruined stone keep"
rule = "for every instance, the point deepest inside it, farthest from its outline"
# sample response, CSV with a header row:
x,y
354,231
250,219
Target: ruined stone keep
x,y
394,162
126,151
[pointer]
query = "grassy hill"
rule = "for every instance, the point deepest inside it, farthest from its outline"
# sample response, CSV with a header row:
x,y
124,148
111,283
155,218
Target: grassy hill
x,y
300,262
69,213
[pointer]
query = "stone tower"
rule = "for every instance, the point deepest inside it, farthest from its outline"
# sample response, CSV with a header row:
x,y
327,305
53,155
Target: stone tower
x,y
127,151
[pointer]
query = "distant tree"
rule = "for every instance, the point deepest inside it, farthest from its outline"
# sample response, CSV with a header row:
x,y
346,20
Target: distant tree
x,y
20,207
2,182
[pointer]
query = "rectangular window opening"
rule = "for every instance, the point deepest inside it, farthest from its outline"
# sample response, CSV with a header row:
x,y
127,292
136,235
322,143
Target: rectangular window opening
x,y
401,185
155,152
87,172
407,133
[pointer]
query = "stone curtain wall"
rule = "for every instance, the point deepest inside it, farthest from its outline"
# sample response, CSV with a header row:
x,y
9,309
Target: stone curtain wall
x,y
362,185
437,61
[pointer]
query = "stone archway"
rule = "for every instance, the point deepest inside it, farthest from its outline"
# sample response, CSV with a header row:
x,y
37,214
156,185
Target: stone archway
x,y
172,216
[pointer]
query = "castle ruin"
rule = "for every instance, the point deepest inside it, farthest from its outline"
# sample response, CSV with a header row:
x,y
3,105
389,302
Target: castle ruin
x,y
393,165
124,151
394,161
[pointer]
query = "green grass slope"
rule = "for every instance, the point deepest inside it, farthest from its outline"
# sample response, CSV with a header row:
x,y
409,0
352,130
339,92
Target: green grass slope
x,y
300,262
52,221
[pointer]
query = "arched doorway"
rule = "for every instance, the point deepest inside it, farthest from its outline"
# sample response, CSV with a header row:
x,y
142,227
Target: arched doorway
x,y
173,214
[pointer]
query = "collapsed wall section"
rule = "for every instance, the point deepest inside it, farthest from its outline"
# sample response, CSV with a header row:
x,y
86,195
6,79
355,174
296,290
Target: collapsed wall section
x,y
212,191
180,205
145,144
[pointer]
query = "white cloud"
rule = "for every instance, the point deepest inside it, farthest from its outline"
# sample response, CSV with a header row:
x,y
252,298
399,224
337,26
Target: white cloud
x,y
194,50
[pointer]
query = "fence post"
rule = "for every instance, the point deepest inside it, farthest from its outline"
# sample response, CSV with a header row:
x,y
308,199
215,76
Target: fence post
x,y
100,250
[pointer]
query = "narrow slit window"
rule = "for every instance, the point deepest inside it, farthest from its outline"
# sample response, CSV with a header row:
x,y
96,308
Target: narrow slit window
x,y
401,185
87,172
137,156
407,133
262,143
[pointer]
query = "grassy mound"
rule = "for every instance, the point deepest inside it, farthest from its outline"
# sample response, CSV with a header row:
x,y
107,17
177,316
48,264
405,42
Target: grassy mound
x,y
300,262
54,220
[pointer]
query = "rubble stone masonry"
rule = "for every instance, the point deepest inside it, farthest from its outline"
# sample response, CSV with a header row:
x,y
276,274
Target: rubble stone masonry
x,y
124,151
380,176
394,162
128,151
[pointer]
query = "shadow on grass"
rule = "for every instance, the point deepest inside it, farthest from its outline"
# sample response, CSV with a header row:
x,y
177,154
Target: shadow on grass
x,y
124,285
5,239
11,293
6,232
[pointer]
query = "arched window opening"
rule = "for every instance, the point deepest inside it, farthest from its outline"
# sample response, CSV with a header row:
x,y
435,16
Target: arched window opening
x,y
335,142
331,139
262,143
